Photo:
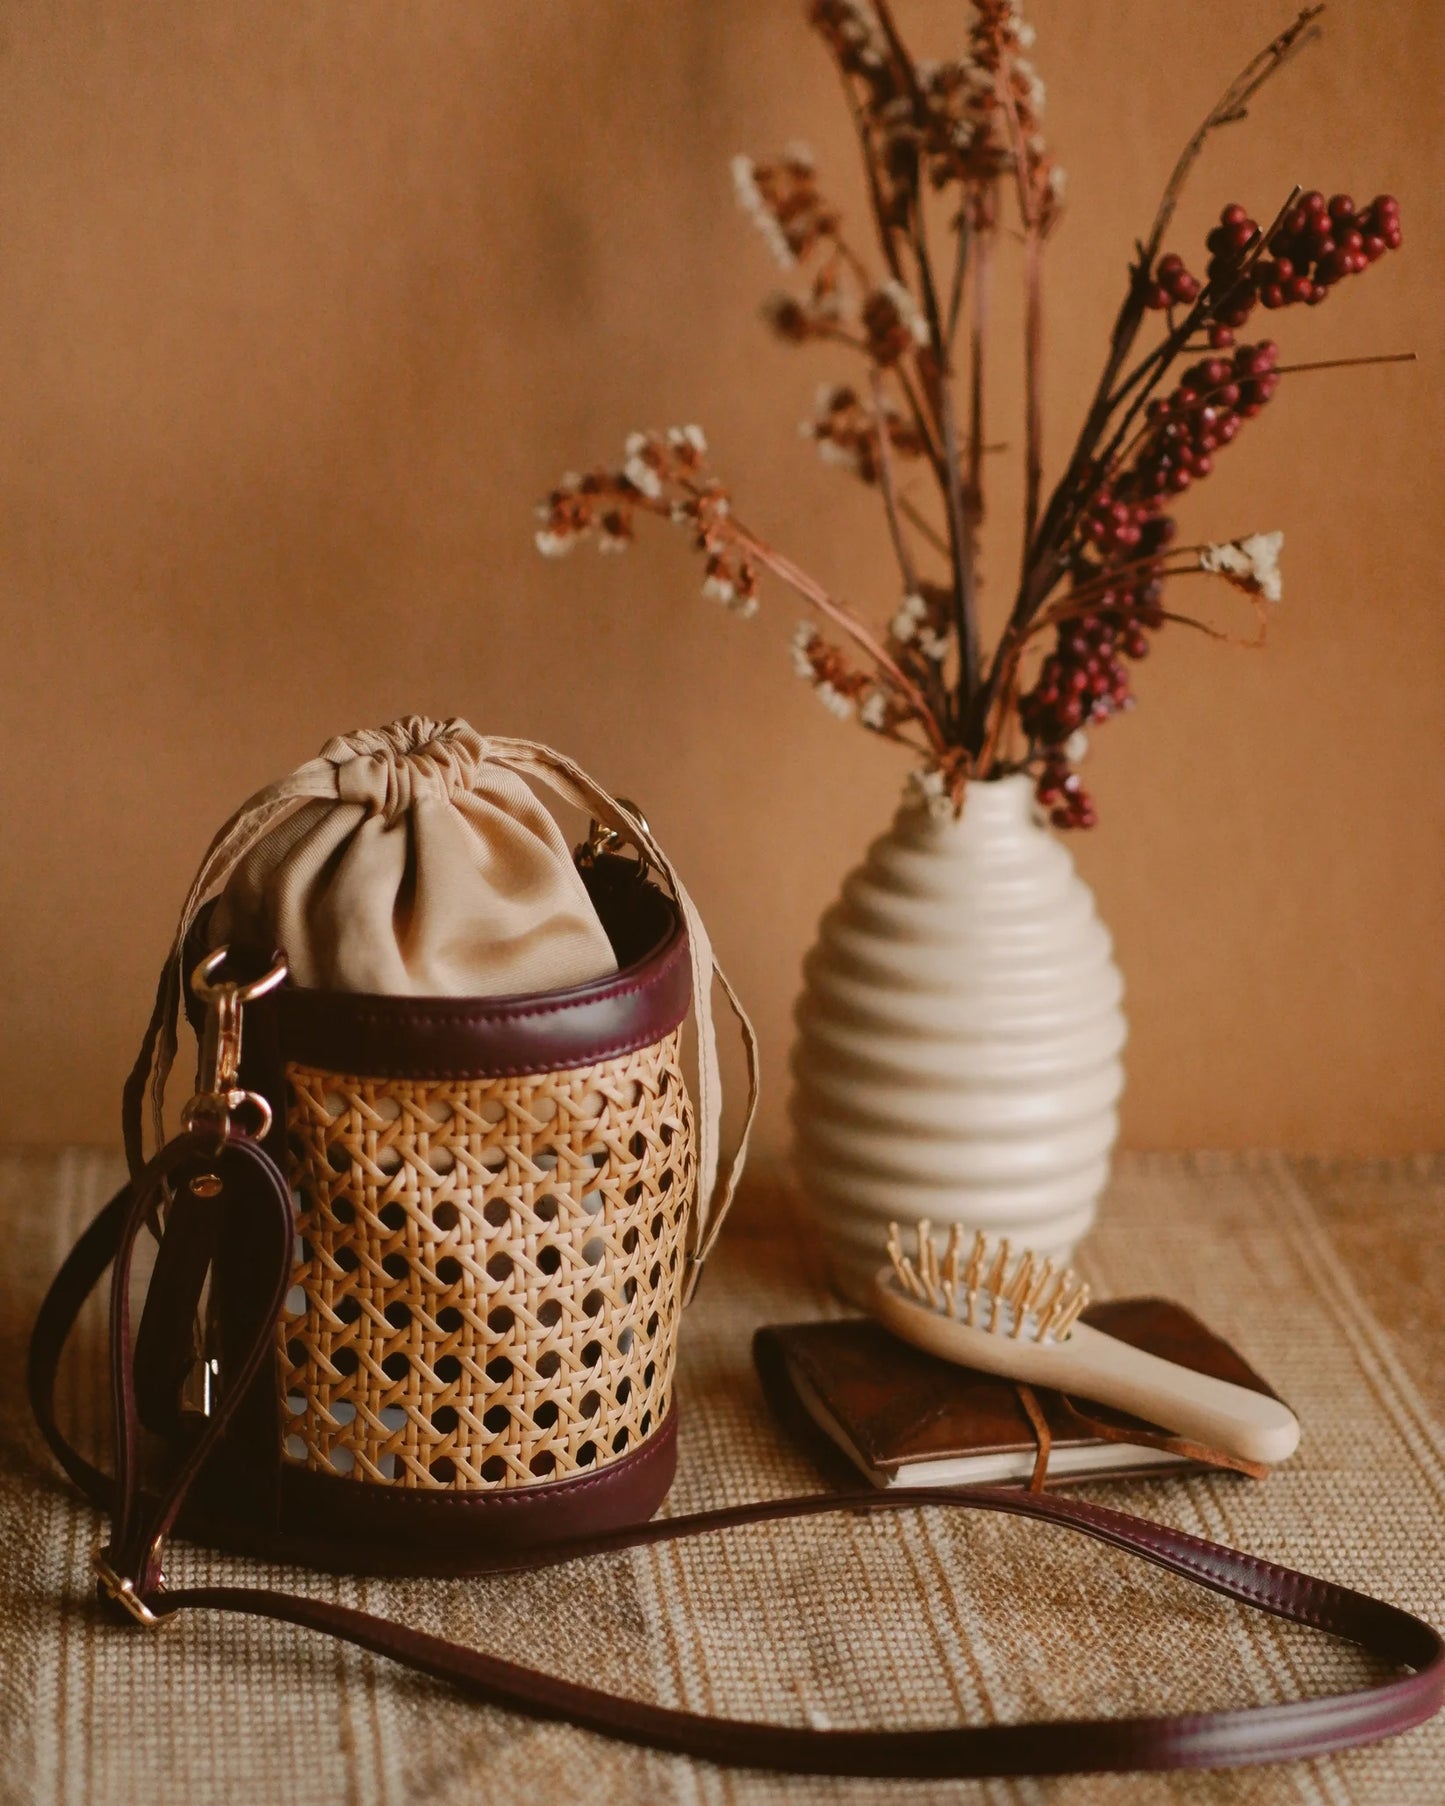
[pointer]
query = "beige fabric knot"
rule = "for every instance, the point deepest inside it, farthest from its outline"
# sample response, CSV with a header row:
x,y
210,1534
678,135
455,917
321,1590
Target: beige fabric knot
x,y
415,864
389,768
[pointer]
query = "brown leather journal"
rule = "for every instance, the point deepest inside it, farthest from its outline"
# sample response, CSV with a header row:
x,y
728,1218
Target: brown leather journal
x,y
907,1419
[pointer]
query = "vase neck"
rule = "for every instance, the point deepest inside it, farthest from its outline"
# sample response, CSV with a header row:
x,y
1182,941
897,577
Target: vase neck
x,y
994,809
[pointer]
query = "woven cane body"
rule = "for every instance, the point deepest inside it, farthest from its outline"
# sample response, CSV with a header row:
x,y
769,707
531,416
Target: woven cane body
x,y
488,1271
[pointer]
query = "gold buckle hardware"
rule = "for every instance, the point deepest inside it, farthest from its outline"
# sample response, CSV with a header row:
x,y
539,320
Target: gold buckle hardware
x,y
121,1588
602,839
219,1100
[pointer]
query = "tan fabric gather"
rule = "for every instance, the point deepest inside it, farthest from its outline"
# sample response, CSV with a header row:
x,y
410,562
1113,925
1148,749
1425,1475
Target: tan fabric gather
x,y
418,868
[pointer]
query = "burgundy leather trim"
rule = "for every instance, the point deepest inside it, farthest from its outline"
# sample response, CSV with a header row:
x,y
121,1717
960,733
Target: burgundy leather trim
x,y
351,1527
501,1037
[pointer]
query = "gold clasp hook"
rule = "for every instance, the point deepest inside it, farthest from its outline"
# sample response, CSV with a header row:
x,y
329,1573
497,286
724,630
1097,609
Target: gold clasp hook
x,y
602,839
219,1098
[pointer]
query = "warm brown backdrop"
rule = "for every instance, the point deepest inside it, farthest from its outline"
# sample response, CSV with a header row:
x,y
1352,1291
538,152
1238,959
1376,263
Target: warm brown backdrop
x,y
302,305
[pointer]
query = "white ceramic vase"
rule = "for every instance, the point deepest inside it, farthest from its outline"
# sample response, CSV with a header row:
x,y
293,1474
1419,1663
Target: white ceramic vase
x,y
959,1038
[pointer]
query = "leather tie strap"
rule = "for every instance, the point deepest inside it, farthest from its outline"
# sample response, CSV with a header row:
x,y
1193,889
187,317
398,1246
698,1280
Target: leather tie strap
x,y
131,1578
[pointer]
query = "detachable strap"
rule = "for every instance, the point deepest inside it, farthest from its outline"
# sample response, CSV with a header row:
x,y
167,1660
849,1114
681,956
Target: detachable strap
x,y
130,1575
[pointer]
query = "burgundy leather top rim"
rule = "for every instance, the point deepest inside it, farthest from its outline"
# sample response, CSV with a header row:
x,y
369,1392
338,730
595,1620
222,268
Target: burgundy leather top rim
x,y
374,1036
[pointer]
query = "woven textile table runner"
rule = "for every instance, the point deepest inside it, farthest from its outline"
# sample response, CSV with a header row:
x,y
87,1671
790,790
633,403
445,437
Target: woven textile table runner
x,y
1327,1277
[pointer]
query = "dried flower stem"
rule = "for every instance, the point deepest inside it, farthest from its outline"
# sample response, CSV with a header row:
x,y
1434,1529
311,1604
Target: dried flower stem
x,y
960,527
888,488
963,239
845,620
1033,311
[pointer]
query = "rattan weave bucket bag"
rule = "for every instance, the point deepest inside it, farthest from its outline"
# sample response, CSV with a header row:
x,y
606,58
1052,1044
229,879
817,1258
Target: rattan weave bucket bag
x,y
496,1198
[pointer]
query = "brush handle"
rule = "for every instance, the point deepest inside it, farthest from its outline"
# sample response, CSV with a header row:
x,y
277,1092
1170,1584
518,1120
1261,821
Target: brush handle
x,y
1094,1366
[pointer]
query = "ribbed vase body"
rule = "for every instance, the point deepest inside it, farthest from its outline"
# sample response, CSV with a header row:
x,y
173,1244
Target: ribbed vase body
x,y
959,1039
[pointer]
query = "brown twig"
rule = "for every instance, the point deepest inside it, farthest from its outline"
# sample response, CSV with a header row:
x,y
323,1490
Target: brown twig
x,y
844,619
960,530
963,238
1033,306
887,486
924,526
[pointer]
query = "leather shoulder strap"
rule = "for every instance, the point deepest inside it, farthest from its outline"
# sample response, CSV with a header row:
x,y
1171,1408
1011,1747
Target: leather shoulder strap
x,y
131,1579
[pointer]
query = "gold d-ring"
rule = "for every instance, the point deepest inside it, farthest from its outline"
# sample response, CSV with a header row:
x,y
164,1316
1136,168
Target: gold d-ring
x,y
602,839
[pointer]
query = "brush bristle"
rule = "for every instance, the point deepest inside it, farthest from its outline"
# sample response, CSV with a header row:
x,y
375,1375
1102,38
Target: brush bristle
x,y
990,1289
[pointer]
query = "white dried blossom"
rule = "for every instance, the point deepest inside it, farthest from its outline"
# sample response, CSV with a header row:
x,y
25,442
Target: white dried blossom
x,y
910,627
907,309
745,185
744,607
688,435
720,588
554,545
927,790
805,637
1058,181
1076,746
753,203
612,542
799,155
912,612
1029,76
1253,561
844,456
637,470
1024,34
873,710
835,702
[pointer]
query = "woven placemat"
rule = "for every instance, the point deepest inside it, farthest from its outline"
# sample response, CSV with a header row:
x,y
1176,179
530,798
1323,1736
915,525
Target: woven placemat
x,y
1320,1272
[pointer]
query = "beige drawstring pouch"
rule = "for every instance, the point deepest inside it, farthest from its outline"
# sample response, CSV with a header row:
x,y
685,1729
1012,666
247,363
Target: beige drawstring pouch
x,y
416,866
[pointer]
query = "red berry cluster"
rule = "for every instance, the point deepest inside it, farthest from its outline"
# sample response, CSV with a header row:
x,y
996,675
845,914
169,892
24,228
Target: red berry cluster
x,y
1172,283
1123,533
1062,793
1200,416
1085,677
1233,291
1318,243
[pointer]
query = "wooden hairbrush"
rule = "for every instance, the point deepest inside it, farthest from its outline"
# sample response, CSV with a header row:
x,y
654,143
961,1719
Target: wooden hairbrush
x,y
1018,1317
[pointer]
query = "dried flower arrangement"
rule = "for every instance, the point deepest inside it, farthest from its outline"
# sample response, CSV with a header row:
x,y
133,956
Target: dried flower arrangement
x,y
946,143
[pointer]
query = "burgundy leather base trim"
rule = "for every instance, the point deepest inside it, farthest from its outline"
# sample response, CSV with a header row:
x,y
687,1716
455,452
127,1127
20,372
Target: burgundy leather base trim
x,y
501,1037
352,1527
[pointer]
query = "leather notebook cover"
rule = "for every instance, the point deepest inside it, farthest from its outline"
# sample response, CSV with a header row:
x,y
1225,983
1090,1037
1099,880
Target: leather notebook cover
x,y
900,1408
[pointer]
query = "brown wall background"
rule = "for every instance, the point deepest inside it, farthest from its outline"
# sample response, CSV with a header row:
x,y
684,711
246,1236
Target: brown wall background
x,y
303,305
